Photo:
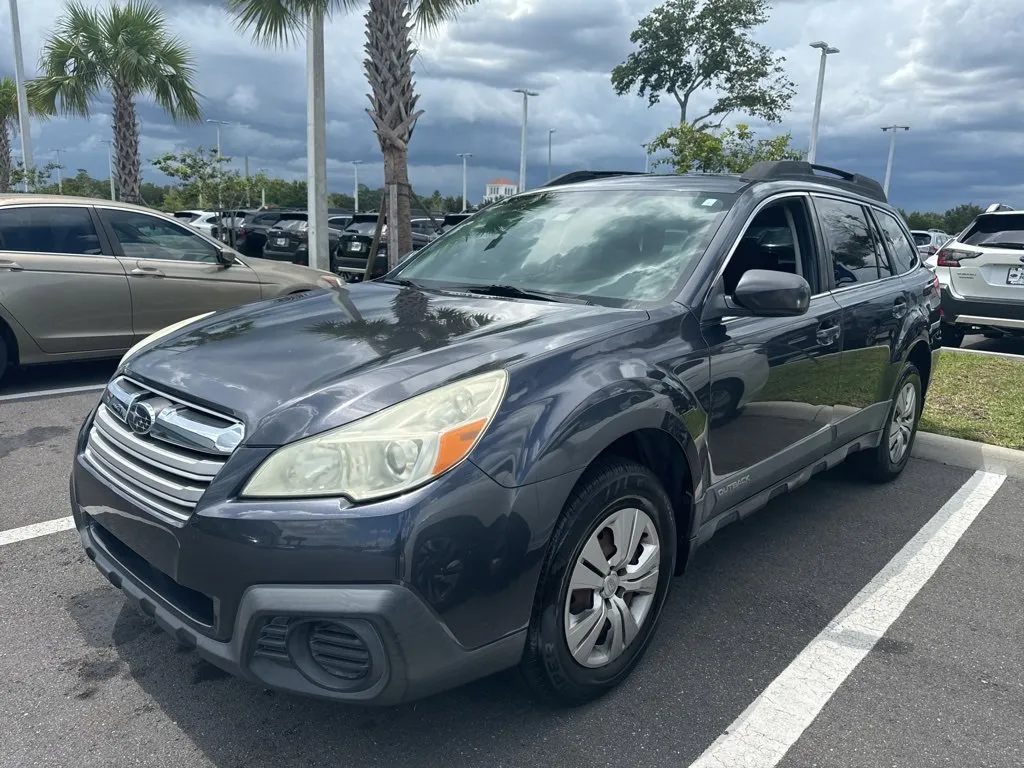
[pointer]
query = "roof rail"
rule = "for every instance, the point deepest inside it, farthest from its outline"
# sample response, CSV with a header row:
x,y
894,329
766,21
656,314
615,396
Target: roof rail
x,y
577,177
768,170
999,207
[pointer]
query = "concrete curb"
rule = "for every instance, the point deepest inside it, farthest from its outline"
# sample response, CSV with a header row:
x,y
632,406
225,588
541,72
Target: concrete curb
x,y
968,454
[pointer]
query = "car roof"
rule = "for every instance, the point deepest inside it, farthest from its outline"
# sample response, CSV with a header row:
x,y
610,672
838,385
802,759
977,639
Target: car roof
x,y
35,199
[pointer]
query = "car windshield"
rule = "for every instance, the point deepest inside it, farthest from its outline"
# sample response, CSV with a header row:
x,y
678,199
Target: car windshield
x,y
616,247
362,227
997,231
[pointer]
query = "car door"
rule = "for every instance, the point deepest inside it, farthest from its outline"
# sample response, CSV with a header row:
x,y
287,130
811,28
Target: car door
x,y
874,302
173,273
773,380
60,283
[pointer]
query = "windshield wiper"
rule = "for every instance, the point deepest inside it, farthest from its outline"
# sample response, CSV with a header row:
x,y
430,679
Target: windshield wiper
x,y
1003,244
514,292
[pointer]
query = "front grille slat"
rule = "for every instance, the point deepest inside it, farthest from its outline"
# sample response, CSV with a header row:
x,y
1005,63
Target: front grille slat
x,y
167,465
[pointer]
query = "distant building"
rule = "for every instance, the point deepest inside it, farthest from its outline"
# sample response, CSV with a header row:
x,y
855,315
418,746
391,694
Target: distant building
x,y
498,189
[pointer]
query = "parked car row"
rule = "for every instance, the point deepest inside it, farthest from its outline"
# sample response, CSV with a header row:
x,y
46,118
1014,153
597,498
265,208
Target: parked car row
x,y
83,278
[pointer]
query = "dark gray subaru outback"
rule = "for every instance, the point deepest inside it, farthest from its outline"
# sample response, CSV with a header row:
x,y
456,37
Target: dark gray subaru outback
x,y
502,452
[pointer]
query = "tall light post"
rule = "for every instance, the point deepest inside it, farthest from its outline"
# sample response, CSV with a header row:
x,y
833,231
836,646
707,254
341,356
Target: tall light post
x,y
826,51
465,158
522,150
25,126
60,175
551,132
355,185
219,123
316,141
110,165
892,130
647,158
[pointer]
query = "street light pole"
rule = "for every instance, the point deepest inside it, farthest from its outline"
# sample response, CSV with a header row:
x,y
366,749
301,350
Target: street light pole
x,y
891,129
25,126
826,50
522,150
316,142
60,176
465,156
550,132
355,185
110,165
220,197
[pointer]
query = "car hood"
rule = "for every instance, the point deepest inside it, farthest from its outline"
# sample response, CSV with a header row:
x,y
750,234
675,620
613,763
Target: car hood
x,y
281,272
303,363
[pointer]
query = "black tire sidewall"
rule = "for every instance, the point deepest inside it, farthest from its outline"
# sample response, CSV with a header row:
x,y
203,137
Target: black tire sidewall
x,y
625,486
909,373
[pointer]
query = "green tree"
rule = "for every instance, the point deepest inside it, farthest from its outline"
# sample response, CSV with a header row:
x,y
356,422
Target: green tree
x,y
956,220
730,150
125,49
9,128
685,47
198,172
388,65
38,178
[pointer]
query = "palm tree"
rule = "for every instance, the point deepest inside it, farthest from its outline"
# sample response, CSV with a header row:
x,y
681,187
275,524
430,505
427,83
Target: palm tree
x,y
124,49
9,128
388,64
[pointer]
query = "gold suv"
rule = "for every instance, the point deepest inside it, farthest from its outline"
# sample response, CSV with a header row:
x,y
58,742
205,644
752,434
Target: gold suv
x,y
83,279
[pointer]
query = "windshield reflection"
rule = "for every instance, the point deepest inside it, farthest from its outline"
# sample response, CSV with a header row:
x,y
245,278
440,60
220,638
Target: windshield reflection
x,y
616,247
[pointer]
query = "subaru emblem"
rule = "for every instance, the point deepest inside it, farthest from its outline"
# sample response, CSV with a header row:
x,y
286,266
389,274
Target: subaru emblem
x,y
140,417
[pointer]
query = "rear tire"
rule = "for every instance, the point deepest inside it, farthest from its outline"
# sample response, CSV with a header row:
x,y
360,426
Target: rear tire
x,y
597,594
888,460
952,336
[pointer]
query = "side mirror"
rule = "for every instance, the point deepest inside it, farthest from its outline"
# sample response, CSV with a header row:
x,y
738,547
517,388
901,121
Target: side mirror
x,y
224,257
766,293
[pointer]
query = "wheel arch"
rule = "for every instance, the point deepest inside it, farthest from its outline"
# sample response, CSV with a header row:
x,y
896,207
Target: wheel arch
x,y
921,356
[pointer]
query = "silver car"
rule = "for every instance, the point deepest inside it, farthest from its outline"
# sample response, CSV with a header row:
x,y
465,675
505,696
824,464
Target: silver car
x,y
981,272
83,278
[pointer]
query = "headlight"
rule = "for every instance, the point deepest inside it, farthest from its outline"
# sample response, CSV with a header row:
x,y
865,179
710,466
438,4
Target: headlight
x,y
391,451
156,336
355,245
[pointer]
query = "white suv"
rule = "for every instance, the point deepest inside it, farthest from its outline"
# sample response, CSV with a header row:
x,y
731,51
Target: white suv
x,y
981,272
929,241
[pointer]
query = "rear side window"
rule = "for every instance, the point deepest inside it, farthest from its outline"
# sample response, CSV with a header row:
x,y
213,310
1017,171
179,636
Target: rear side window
x,y
40,229
850,242
922,238
901,250
996,230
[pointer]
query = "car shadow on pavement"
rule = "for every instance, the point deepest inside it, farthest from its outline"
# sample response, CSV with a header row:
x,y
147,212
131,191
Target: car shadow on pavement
x,y
751,600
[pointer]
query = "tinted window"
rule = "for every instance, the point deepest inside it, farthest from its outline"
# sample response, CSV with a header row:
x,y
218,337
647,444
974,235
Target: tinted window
x,y
922,238
266,219
849,241
995,230
901,250
48,230
621,247
362,227
148,237
338,222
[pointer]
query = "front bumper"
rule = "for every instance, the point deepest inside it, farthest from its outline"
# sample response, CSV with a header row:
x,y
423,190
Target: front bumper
x,y
436,586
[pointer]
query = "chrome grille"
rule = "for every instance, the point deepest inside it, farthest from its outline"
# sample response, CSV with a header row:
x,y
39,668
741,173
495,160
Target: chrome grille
x,y
158,450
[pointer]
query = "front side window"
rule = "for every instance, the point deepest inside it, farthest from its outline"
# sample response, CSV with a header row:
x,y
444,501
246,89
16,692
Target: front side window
x,y
850,242
148,237
902,251
615,247
48,229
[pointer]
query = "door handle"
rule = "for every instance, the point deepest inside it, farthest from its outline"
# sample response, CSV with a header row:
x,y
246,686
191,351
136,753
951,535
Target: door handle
x,y
11,266
146,272
827,335
899,307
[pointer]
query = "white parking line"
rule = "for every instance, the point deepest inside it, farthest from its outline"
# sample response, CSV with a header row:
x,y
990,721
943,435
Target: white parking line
x,y
36,530
764,732
49,392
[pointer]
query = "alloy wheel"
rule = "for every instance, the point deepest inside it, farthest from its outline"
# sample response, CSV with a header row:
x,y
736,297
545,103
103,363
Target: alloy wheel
x,y
612,587
904,415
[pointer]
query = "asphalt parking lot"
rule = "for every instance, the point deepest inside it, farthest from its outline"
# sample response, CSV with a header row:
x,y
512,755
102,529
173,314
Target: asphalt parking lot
x,y
750,630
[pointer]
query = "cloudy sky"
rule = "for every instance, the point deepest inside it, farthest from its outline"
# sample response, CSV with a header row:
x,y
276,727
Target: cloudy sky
x,y
948,68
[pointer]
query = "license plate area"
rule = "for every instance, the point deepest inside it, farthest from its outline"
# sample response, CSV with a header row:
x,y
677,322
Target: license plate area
x,y
1015,276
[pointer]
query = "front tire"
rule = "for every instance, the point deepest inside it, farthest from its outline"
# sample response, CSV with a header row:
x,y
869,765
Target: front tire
x,y
605,579
888,460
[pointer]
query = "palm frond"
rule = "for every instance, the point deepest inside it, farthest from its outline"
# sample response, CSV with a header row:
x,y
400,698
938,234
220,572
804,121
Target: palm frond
x,y
278,23
428,15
